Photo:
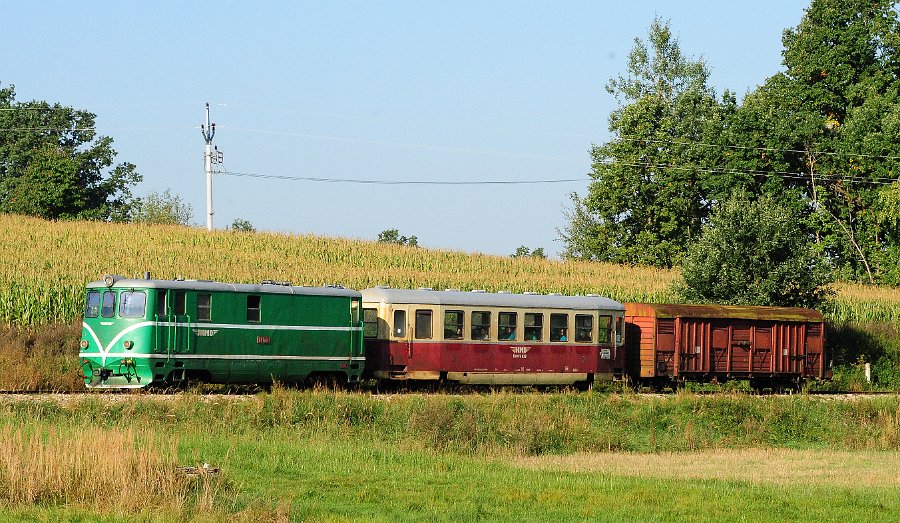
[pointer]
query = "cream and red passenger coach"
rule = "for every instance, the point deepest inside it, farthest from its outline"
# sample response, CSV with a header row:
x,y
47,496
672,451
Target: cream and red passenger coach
x,y
491,338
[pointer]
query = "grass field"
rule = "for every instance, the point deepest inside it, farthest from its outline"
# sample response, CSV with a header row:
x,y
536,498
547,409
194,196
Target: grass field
x,y
44,266
322,456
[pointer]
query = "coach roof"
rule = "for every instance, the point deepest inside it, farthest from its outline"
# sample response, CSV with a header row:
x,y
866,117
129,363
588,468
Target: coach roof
x,y
488,299
741,312
213,286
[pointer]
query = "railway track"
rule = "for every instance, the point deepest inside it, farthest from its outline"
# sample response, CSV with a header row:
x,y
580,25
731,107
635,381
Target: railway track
x,y
132,394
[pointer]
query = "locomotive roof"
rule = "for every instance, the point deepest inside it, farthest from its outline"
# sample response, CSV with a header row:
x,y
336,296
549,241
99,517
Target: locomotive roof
x,y
489,299
742,312
213,286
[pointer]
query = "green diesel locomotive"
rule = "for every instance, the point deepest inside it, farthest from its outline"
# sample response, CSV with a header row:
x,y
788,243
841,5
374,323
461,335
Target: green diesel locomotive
x,y
140,332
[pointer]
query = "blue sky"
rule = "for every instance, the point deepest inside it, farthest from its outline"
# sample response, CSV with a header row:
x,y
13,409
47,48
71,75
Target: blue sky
x,y
391,91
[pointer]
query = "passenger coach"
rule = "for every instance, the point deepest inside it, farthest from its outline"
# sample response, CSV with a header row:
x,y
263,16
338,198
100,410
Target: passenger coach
x,y
491,338
138,332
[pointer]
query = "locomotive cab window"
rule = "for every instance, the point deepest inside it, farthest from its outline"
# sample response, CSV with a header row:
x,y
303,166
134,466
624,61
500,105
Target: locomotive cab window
x,y
534,326
620,329
559,326
253,309
132,304
507,323
370,323
400,324
204,307
92,305
584,328
108,310
481,325
423,324
161,303
180,303
453,325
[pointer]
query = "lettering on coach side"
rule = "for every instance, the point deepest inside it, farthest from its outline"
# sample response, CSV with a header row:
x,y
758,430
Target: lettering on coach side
x,y
263,340
206,332
520,352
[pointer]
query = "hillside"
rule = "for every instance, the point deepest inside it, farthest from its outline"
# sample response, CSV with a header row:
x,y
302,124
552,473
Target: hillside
x,y
46,264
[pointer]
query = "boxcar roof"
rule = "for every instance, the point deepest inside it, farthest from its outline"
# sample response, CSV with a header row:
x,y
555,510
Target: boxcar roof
x,y
213,286
744,312
489,299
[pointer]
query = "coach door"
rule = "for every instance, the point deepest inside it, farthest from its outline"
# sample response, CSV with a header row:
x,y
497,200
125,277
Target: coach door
x,y
401,336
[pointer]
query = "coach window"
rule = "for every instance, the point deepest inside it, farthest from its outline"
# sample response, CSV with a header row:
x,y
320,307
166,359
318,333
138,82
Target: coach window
x,y
92,306
620,329
584,328
481,325
605,327
370,323
204,307
180,303
559,326
109,304
423,324
534,326
132,304
253,309
400,324
507,323
453,325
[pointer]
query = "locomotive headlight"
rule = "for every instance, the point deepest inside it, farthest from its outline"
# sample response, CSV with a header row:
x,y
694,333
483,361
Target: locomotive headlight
x,y
83,344
128,345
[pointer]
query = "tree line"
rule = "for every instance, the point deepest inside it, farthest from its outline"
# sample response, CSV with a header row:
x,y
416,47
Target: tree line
x,y
817,143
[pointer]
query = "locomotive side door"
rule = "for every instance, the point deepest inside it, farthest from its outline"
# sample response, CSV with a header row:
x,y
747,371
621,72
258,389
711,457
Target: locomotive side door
x,y
172,322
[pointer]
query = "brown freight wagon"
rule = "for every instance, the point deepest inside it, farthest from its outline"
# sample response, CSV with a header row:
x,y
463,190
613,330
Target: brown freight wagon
x,y
767,345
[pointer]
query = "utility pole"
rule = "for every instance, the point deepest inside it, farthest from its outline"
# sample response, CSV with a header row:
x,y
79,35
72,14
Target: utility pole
x,y
209,131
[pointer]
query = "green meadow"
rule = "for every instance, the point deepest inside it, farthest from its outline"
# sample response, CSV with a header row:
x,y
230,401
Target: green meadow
x,y
501,456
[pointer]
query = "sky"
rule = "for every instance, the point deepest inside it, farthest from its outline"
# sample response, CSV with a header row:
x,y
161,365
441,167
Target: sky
x,y
398,91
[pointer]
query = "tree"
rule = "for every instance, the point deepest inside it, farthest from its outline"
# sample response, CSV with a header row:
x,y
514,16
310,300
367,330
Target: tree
x,y
755,252
241,225
165,208
647,199
822,135
53,164
393,236
524,252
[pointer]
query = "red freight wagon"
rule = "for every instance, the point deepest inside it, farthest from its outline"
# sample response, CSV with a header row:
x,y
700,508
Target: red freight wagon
x,y
491,338
777,345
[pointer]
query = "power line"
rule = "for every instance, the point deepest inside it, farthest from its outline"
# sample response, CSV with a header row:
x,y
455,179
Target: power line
x,y
767,174
398,182
761,149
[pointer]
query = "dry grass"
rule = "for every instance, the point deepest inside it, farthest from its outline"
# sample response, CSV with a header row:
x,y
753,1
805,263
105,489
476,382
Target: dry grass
x,y
763,466
40,358
44,266
103,469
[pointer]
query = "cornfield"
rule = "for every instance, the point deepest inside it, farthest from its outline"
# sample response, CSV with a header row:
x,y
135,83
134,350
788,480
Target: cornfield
x,y
45,265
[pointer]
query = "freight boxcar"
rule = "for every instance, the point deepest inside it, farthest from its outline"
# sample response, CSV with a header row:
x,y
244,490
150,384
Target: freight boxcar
x,y
767,345
491,338
138,332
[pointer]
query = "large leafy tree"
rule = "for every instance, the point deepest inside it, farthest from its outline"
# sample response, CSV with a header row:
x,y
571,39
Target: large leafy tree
x,y
755,252
823,134
54,165
648,198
